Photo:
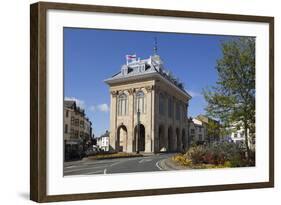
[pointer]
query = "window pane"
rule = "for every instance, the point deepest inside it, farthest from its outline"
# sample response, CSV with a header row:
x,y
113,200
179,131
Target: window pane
x,y
139,103
162,105
122,104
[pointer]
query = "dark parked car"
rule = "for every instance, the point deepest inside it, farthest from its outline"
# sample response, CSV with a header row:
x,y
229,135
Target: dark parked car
x,y
91,151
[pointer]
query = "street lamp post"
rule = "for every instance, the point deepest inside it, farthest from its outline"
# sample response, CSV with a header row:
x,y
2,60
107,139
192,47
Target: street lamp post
x,y
138,127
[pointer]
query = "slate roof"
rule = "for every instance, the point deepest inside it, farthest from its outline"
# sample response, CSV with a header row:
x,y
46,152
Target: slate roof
x,y
106,134
153,64
70,104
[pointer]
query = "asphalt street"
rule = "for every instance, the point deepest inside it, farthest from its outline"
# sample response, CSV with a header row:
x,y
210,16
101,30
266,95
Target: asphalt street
x,y
118,165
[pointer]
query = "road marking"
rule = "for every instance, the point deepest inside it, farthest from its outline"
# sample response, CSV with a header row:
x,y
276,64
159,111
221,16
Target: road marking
x,y
96,172
104,171
158,166
83,168
71,166
145,160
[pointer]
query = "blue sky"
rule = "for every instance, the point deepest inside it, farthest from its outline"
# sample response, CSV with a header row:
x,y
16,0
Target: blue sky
x,y
91,56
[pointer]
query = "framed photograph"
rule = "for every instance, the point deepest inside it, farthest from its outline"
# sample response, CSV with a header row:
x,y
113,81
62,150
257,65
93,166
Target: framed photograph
x,y
135,102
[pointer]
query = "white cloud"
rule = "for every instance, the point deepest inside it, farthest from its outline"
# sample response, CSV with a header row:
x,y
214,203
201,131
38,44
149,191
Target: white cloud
x,y
92,108
103,107
193,93
79,103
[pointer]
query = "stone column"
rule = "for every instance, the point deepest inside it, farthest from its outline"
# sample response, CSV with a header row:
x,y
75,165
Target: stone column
x,y
155,118
113,120
131,113
165,117
166,136
148,113
187,127
153,130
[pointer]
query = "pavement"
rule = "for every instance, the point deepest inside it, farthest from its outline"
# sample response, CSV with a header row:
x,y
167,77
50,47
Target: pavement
x,y
149,163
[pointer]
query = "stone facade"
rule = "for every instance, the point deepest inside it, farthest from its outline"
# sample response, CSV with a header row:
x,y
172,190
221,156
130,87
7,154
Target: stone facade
x,y
197,131
144,86
77,129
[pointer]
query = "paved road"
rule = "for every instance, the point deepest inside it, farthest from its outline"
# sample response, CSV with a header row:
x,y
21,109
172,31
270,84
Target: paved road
x,y
121,165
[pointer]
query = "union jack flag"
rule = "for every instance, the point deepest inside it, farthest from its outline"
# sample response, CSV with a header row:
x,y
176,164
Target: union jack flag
x,y
131,57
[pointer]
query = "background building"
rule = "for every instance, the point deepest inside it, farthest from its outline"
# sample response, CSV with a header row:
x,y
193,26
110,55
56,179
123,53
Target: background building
x,y
77,130
212,128
103,142
237,135
197,131
162,102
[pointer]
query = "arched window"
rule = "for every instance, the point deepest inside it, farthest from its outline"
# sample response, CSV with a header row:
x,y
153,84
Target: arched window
x,y
122,104
161,104
139,103
178,111
170,107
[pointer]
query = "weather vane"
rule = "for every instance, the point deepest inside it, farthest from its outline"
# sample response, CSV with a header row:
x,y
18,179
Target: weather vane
x,y
155,46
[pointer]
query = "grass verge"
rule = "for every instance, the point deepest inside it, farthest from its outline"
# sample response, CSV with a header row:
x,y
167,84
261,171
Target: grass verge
x,y
114,155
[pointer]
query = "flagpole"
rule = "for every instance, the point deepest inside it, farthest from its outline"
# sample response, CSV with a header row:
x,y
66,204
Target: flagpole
x,y
127,62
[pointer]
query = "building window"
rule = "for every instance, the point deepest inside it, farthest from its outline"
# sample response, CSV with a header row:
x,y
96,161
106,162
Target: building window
x,y
177,111
183,110
66,114
139,103
72,120
161,104
122,104
76,133
235,135
170,107
82,124
76,122
65,128
192,131
200,138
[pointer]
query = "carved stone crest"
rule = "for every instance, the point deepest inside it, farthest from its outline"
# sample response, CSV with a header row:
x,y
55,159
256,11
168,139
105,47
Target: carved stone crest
x,y
114,93
149,88
131,91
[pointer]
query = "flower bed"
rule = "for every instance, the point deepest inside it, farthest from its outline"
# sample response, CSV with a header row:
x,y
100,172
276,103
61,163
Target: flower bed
x,y
114,155
214,155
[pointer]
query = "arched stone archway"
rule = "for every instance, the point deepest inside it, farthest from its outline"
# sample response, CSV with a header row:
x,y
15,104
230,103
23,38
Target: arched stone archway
x,y
179,143
140,144
183,139
122,135
170,139
161,137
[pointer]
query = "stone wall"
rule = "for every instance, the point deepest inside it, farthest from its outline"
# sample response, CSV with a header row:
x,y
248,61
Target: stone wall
x,y
175,132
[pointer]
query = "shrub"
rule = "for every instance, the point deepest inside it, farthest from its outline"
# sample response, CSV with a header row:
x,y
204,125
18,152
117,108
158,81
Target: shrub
x,y
252,161
236,161
217,154
182,160
196,154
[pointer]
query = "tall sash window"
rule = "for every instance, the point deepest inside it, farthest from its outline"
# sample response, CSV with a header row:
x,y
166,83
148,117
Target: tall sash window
x,y
140,104
122,104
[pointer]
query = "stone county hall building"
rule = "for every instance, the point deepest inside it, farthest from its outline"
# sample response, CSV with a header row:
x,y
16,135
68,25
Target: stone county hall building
x,y
145,86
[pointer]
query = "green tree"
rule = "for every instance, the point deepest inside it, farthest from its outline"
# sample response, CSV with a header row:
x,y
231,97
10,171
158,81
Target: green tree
x,y
232,99
213,130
